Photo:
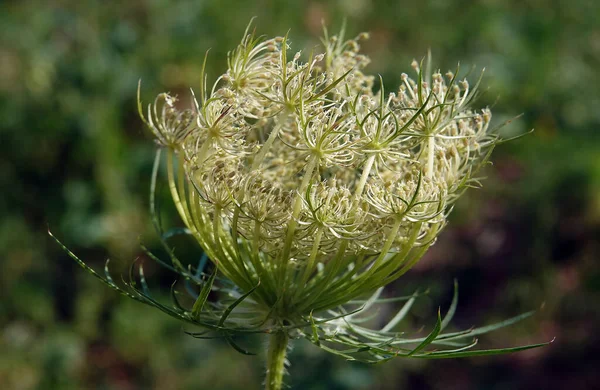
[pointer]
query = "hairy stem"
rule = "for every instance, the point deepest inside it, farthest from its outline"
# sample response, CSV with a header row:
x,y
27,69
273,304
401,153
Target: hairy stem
x,y
276,361
363,179
430,155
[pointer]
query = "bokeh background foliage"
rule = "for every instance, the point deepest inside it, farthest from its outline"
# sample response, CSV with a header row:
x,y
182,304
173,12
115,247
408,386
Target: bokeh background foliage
x,y
74,155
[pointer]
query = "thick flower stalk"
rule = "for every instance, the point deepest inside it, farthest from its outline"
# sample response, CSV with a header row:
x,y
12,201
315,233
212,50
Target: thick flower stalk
x,y
309,191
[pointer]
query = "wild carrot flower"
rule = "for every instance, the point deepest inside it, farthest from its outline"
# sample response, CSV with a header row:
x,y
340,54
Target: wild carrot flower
x,y
299,177
309,190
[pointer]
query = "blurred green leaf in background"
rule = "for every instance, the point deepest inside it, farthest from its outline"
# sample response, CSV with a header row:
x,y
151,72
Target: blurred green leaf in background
x,y
75,156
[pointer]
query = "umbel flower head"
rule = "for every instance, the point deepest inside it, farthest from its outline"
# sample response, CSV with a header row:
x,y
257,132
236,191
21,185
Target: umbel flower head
x,y
298,178
308,190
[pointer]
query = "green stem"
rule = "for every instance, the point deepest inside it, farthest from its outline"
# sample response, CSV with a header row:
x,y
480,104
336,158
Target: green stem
x,y
430,155
276,360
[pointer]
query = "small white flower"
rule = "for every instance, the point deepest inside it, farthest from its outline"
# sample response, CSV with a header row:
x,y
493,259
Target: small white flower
x,y
169,125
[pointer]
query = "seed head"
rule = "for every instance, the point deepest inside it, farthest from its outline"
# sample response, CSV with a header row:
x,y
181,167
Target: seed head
x,y
301,176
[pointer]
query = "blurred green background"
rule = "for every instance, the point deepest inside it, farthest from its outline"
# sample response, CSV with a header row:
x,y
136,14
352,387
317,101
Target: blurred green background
x,y
74,156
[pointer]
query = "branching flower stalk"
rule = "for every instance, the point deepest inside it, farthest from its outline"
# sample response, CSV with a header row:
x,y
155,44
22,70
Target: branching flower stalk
x,y
309,191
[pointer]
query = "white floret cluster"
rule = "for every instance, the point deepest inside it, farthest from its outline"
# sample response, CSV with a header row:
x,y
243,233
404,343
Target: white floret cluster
x,y
299,175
